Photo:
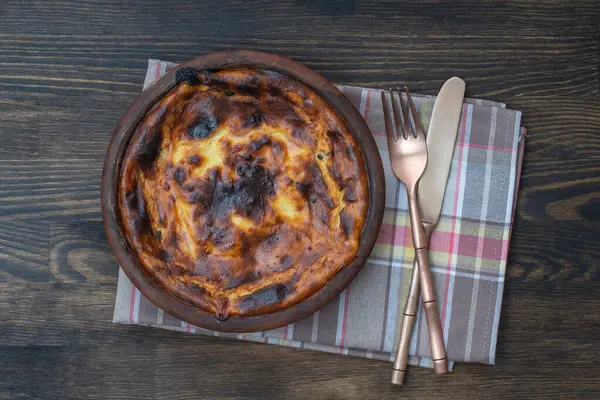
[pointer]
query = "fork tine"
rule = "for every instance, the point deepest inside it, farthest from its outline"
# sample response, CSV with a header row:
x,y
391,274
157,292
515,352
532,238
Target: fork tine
x,y
407,129
418,126
397,121
389,129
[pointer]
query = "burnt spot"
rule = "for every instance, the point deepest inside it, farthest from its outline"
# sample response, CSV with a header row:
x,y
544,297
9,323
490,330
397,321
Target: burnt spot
x,y
337,178
174,241
221,312
202,232
319,187
188,75
221,316
304,188
350,193
255,145
347,222
162,211
248,90
195,159
194,197
242,156
304,135
283,110
273,238
221,107
285,263
179,175
242,168
197,290
248,277
164,255
350,153
269,296
188,187
323,216
204,128
148,151
247,195
274,91
137,206
254,120
222,237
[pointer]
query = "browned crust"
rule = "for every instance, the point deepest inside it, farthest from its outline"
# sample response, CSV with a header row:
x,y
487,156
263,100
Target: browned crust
x,y
242,192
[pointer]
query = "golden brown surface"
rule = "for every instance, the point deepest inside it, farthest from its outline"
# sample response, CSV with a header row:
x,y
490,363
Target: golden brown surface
x,y
242,192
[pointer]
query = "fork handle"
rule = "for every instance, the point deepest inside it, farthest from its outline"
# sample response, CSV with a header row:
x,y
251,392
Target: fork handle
x,y
420,240
408,318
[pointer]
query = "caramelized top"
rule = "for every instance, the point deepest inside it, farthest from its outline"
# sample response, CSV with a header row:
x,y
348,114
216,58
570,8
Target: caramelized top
x,y
242,192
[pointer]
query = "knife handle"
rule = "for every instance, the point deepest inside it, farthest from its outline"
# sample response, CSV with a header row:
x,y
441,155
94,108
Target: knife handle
x,y
438,350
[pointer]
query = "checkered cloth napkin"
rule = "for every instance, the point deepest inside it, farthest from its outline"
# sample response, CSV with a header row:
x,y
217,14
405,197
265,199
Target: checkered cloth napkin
x,y
468,250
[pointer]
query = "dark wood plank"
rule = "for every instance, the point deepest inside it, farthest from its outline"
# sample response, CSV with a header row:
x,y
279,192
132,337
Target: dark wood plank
x,y
50,189
19,124
24,251
70,127
327,18
85,372
79,252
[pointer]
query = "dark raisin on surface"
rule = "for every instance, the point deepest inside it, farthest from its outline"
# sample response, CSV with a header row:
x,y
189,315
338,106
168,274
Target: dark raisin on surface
x,y
194,159
320,156
188,75
221,317
203,128
180,175
229,93
255,119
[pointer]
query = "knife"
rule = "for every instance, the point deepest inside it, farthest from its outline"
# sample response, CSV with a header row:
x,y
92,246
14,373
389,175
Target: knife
x,y
441,141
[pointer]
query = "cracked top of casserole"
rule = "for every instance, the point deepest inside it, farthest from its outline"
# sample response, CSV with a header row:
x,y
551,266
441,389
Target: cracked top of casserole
x,y
242,192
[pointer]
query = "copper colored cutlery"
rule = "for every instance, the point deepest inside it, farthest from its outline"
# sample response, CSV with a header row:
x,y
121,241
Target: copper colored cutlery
x,y
425,183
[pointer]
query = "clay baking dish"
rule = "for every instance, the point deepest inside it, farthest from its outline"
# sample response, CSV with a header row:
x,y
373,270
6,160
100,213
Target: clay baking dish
x,y
118,146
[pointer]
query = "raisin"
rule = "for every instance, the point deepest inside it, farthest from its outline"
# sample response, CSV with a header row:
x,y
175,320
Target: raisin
x,y
255,119
180,175
188,75
194,160
203,128
229,93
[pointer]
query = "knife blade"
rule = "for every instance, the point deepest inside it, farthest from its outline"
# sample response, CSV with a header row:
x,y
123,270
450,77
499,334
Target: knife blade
x,y
441,141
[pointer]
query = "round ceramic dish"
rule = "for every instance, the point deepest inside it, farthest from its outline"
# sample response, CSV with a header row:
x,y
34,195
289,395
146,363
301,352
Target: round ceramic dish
x,y
118,145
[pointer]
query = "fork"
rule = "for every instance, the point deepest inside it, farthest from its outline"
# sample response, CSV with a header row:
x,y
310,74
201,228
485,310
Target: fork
x,y
408,157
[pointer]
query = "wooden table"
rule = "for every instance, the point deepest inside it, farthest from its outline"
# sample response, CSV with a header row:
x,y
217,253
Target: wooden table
x,y
68,70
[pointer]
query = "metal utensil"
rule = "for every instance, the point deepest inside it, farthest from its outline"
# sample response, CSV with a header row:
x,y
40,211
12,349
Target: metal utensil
x,y
408,157
441,139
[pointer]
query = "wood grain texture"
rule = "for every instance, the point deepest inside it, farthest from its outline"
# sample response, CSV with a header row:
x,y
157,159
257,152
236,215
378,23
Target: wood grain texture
x,y
68,70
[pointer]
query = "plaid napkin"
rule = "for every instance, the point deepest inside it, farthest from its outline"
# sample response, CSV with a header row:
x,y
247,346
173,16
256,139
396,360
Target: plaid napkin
x,y
468,250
